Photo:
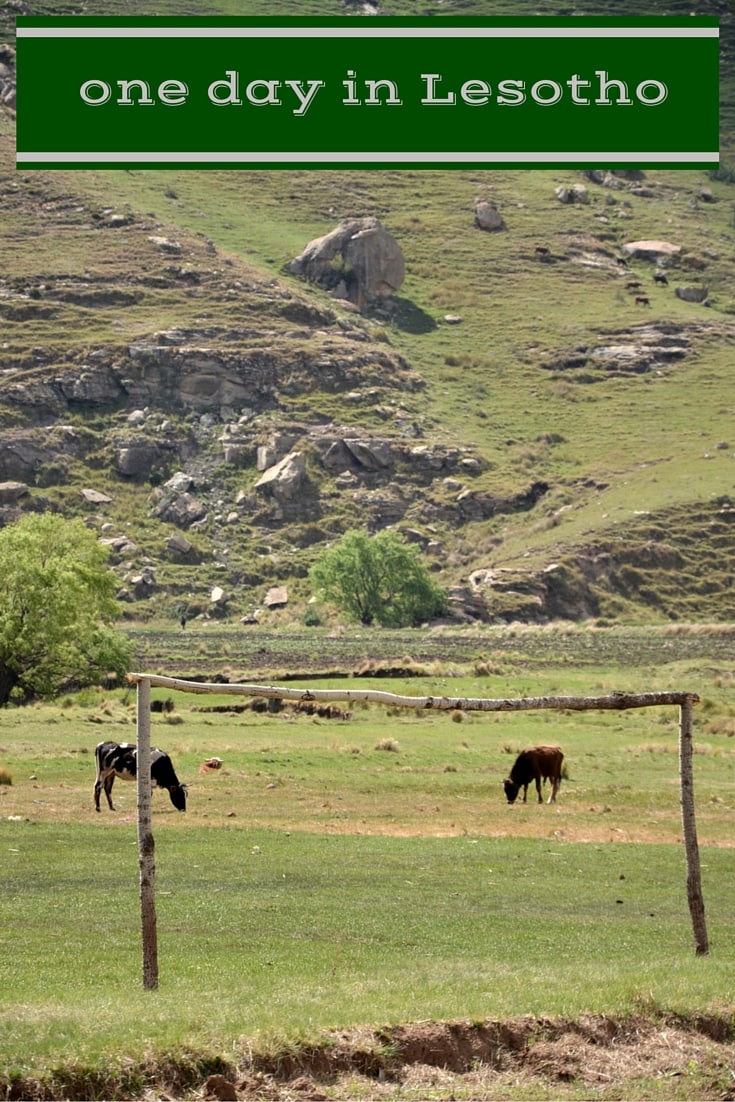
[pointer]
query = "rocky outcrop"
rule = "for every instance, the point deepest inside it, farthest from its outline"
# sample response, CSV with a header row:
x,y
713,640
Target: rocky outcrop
x,y
359,261
212,369
691,294
635,350
655,251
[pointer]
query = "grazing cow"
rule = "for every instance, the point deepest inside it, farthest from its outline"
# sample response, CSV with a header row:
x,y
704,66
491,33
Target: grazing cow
x,y
642,300
536,764
632,285
541,250
118,759
660,277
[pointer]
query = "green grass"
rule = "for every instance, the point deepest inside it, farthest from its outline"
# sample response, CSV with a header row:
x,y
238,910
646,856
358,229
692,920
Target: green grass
x,y
318,883
293,933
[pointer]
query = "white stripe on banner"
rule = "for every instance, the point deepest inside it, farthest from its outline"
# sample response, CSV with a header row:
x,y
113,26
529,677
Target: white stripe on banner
x,y
367,32
366,158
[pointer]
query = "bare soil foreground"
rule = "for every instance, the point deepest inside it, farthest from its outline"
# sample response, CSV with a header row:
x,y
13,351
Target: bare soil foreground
x,y
596,1057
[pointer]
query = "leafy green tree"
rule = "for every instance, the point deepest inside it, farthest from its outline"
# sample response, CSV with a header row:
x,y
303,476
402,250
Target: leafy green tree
x,y
377,579
57,607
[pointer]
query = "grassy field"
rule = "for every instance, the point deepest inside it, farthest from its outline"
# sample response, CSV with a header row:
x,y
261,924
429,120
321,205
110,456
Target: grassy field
x,y
358,873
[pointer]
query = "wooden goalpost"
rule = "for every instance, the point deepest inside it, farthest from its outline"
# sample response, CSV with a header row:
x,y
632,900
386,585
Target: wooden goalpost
x,y
615,701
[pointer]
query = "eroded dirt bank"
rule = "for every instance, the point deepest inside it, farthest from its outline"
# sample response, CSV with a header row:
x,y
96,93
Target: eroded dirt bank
x,y
595,1057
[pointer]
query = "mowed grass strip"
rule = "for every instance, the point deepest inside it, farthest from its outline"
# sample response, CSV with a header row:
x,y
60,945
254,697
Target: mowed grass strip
x,y
265,933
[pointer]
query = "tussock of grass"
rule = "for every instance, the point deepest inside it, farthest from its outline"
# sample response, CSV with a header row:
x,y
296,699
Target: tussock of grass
x,y
390,744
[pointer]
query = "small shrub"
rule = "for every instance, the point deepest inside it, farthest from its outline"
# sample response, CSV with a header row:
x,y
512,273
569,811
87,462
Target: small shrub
x,y
5,777
389,744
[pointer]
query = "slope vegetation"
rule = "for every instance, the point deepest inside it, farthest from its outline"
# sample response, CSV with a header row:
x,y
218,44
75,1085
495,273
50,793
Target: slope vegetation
x,y
544,408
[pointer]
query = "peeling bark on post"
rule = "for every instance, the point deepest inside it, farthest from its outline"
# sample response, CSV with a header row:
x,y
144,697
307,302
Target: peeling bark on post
x,y
691,846
146,845
616,701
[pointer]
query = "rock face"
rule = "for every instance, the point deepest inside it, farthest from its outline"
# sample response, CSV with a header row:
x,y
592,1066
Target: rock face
x,y
12,492
655,251
371,267
691,294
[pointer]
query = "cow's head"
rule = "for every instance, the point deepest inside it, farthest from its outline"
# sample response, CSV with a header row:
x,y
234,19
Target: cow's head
x,y
177,793
511,790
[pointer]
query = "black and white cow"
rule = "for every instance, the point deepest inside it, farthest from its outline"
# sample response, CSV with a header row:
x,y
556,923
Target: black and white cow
x,y
118,759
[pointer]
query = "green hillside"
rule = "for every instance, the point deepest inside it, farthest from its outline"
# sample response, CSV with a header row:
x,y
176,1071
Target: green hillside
x,y
557,448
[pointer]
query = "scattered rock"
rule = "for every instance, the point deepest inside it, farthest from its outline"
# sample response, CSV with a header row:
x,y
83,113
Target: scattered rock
x,y
220,1088
182,510
179,545
135,459
165,244
218,596
96,497
577,193
276,597
179,483
12,492
487,216
285,479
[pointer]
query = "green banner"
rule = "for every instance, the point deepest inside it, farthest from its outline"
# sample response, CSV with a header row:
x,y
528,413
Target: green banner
x,y
441,92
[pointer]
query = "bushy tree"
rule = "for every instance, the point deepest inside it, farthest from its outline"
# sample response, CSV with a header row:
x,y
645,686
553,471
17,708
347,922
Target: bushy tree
x,y
377,579
57,608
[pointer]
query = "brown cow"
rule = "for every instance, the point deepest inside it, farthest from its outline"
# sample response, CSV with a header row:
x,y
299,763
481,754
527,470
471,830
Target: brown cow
x,y
536,764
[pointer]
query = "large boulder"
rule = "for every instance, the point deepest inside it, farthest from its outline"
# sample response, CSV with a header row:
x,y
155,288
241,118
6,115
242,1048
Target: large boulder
x,y
11,492
691,294
182,510
359,261
487,216
655,251
285,480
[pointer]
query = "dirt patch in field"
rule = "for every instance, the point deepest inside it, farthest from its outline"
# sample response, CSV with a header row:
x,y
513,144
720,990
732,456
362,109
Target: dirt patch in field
x,y
594,1057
